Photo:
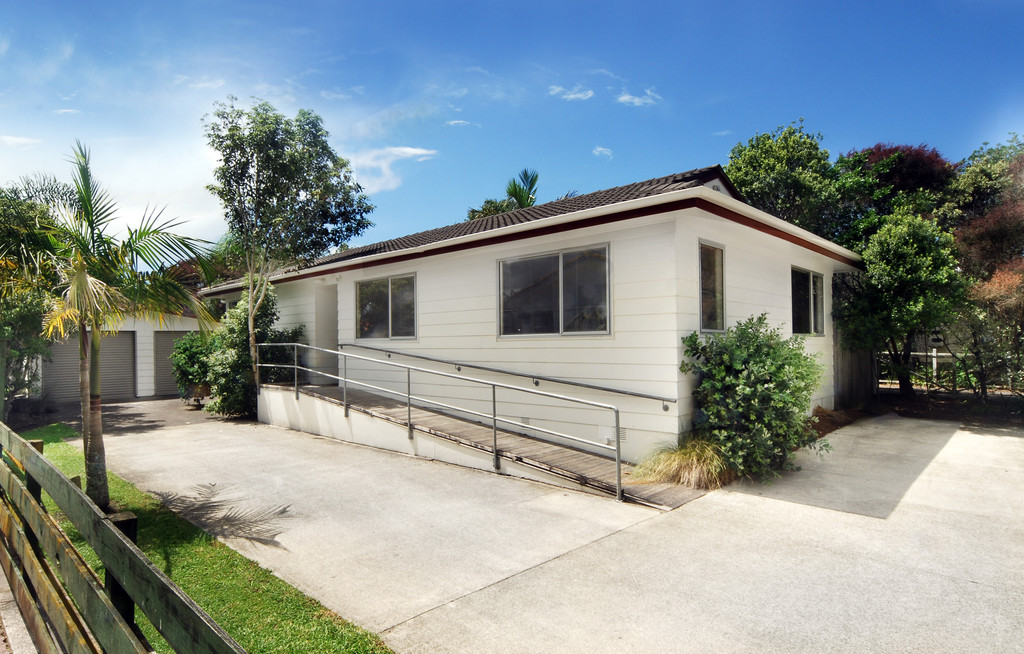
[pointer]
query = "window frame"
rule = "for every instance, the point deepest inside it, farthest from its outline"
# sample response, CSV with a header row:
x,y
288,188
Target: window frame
x,y
560,308
815,301
701,244
390,299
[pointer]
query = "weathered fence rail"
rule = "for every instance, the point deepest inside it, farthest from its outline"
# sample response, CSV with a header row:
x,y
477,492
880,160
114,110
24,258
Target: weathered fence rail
x,y
66,606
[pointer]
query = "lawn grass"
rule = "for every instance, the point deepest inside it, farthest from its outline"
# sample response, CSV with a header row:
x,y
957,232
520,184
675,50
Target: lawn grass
x,y
261,612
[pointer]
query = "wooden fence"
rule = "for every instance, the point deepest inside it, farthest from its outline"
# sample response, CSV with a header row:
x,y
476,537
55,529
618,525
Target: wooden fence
x,y
66,606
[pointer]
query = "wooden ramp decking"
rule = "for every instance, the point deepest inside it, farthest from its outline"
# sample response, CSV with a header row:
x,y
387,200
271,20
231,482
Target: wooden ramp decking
x,y
591,471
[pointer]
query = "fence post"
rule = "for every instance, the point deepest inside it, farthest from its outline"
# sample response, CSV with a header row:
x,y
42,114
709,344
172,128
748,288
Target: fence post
x,y
122,601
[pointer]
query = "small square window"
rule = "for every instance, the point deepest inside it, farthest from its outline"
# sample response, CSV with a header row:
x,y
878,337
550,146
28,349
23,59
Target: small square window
x,y
386,308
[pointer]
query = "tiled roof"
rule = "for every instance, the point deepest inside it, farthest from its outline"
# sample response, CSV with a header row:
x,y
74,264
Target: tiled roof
x,y
634,191
657,186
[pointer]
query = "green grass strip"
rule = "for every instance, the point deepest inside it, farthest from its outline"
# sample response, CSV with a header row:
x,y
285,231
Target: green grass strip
x,y
260,611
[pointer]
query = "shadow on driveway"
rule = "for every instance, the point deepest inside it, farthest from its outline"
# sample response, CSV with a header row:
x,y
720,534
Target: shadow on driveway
x,y
872,464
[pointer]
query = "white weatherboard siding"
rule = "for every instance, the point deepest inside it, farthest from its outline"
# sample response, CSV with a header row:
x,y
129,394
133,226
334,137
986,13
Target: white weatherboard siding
x,y
654,283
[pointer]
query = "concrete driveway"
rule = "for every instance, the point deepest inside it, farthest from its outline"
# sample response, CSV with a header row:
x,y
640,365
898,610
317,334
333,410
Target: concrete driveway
x,y
908,537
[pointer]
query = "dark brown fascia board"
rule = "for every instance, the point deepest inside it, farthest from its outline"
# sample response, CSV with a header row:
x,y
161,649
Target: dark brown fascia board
x,y
594,221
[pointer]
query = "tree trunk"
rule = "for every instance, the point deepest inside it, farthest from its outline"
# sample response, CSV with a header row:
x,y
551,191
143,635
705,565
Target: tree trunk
x,y
95,454
901,359
83,382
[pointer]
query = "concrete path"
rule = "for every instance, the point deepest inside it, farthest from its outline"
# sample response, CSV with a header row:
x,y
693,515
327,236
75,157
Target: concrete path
x,y
908,537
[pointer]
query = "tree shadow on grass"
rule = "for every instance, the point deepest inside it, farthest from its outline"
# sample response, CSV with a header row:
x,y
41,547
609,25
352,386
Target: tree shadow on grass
x,y
212,509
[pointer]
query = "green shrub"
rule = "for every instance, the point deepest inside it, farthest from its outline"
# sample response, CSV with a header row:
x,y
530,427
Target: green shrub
x,y
190,361
232,387
753,394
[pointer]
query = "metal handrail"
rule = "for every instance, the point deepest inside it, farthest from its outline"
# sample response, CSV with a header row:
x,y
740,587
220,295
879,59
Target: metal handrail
x,y
495,418
536,378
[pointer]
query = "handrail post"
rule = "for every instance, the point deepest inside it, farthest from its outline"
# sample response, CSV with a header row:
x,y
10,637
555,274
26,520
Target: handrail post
x,y
494,425
256,372
408,399
618,458
295,367
344,381
128,524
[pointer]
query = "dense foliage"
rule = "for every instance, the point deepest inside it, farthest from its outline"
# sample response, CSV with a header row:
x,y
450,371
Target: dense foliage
x,y
288,197
753,394
220,365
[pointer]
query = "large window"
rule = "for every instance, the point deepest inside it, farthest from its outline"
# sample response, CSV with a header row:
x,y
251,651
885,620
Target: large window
x,y
561,293
386,308
808,302
712,288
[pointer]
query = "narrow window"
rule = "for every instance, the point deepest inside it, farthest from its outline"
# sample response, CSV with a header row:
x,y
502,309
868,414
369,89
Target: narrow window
x,y
712,288
808,302
386,308
564,293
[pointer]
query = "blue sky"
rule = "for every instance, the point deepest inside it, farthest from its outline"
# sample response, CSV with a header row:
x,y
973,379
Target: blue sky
x,y
438,104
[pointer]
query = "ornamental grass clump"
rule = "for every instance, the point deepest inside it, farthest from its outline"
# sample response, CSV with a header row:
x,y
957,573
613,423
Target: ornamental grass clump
x,y
752,396
691,462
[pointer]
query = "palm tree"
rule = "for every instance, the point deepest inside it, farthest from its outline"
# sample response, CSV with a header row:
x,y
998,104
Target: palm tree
x,y
523,191
102,281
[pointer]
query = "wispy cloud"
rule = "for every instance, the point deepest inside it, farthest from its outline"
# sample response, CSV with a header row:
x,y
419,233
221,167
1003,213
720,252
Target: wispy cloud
x,y
606,73
724,132
648,98
460,123
4,45
577,93
66,112
602,152
17,141
482,71
374,167
334,95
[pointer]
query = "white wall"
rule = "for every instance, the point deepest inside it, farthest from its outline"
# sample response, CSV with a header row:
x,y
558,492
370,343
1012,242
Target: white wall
x,y
654,272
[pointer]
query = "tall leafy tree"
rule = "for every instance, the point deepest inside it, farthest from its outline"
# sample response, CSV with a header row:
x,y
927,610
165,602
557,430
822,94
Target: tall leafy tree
x,y
102,280
288,196
910,286
787,174
24,245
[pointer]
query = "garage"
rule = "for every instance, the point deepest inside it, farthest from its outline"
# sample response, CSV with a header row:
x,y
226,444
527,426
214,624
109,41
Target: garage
x,y
117,369
163,346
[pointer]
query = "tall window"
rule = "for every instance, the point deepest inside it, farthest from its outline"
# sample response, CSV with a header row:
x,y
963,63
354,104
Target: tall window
x,y
712,288
808,302
386,308
562,293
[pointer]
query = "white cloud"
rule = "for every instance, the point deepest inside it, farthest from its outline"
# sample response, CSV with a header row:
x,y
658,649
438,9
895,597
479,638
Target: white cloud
x,y
17,141
66,112
724,132
606,72
649,97
458,123
334,95
602,152
374,167
577,93
482,71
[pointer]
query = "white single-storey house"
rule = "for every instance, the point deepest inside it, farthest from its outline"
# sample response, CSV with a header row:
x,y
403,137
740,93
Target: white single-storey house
x,y
597,289
134,362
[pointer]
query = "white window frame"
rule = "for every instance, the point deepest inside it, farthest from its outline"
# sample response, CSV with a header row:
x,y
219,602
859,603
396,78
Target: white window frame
x,y
815,300
561,300
415,305
700,287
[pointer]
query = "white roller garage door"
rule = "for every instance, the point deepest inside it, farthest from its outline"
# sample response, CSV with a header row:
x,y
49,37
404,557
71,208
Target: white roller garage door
x,y
163,346
117,369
